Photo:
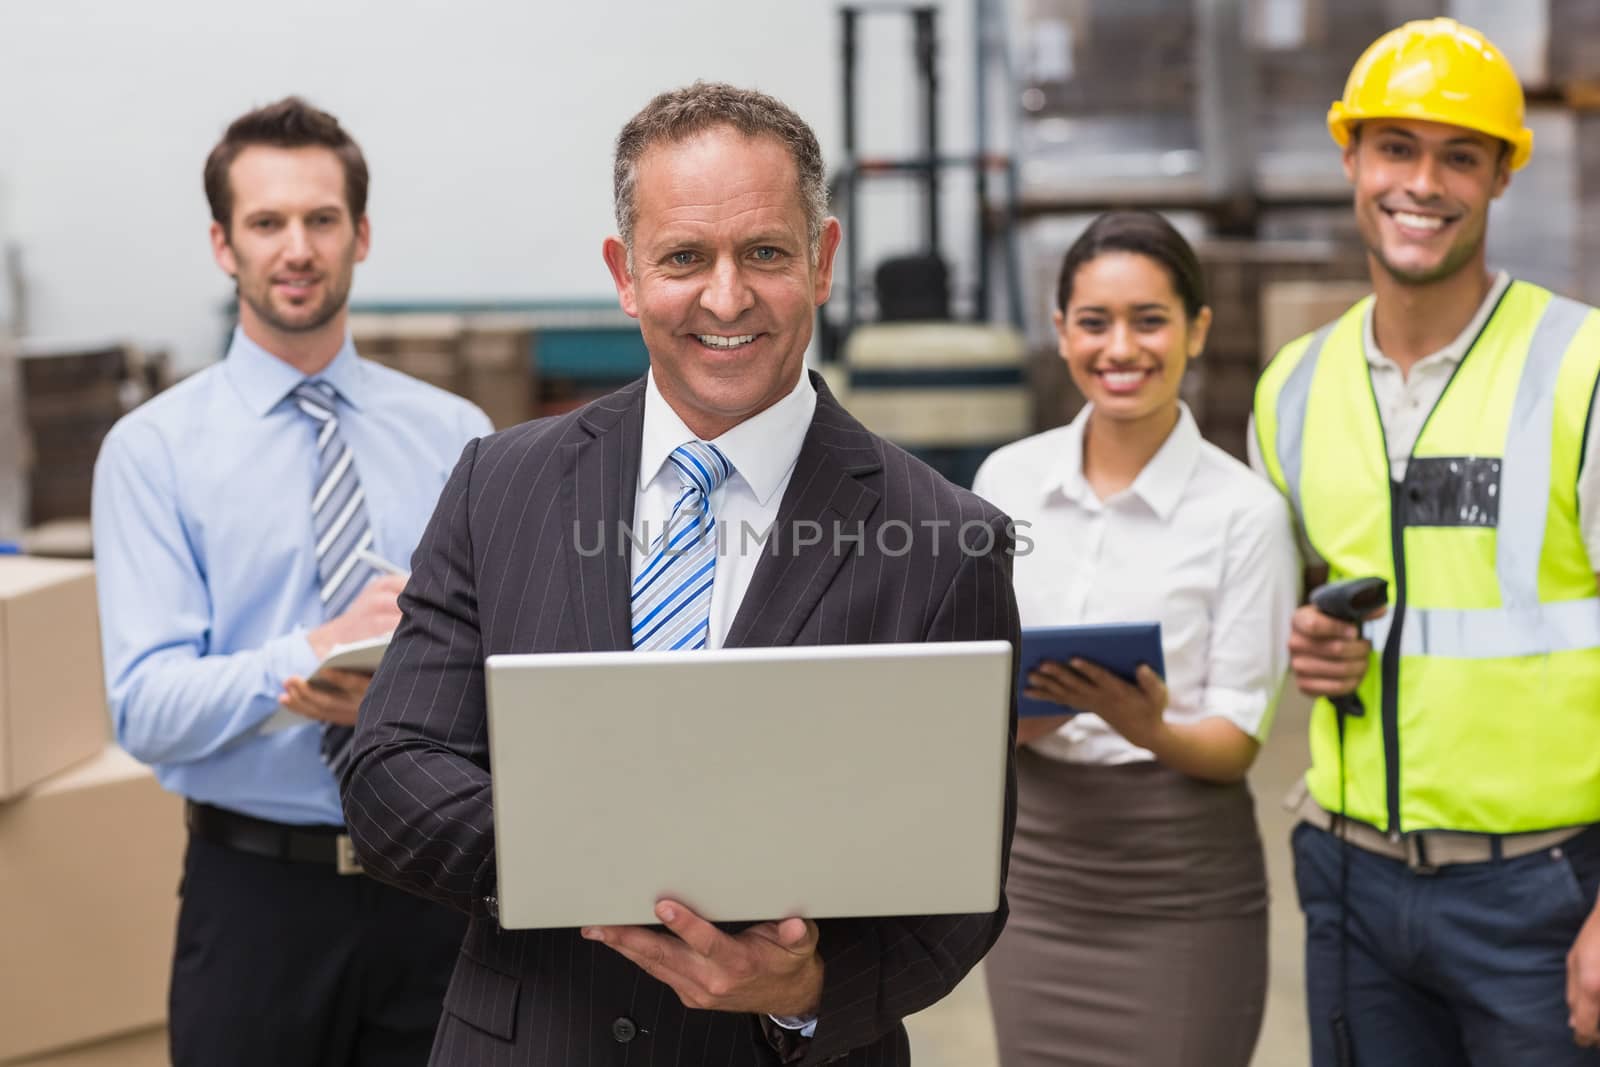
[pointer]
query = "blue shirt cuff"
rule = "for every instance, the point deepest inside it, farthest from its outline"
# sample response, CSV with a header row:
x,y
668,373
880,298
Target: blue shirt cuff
x,y
297,655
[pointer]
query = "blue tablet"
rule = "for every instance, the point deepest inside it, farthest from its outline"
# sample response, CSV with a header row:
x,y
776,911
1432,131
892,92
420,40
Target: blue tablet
x,y
1118,647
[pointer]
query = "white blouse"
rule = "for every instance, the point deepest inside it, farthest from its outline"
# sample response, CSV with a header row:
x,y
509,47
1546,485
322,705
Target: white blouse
x,y
1198,542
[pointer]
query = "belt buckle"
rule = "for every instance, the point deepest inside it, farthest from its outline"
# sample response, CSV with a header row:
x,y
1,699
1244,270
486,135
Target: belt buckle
x,y
1417,855
344,855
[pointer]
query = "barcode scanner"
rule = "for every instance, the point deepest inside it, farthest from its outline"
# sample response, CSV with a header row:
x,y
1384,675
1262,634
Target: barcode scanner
x,y
1351,600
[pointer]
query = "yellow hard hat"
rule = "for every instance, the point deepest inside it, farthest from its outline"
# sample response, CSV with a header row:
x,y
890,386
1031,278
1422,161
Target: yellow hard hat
x,y
1440,71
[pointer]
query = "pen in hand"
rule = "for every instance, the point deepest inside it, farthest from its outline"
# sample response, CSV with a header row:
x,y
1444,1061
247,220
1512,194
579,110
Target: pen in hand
x,y
377,562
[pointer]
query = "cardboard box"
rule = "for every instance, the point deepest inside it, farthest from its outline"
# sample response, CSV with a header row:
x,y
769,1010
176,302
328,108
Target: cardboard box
x,y
52,684
1292,309
497,372
59,491
146,1048
60,539
89,868
491,347
16,450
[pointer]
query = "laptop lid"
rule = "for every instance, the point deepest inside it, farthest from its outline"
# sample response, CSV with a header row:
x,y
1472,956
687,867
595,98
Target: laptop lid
x,y
750,784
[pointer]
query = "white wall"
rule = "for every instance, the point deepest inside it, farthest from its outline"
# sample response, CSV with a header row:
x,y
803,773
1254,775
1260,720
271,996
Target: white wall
x,y
487,126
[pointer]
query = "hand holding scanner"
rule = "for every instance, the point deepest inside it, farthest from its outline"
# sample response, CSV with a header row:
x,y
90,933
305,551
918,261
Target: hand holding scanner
x,y
1350,601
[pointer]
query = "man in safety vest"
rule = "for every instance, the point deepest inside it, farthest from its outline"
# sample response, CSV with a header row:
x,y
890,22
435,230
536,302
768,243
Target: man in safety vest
x,y
1448,857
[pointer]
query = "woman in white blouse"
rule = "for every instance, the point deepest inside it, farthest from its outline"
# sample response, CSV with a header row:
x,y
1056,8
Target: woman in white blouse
x,y
1138,892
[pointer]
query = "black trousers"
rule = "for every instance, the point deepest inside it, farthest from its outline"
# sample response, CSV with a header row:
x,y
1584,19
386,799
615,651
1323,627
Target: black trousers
x,y
283,964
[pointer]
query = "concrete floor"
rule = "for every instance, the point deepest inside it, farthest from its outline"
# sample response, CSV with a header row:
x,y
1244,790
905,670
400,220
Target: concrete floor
x,y
956,1032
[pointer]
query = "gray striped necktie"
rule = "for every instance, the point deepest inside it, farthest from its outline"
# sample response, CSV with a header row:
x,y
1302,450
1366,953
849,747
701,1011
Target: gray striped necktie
x,y
672,591
342,529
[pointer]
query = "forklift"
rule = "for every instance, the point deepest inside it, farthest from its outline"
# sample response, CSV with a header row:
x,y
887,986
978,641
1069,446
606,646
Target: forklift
x,y
949,390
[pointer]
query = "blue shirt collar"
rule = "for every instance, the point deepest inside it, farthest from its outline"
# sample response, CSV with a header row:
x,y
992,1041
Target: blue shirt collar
x,y
262,380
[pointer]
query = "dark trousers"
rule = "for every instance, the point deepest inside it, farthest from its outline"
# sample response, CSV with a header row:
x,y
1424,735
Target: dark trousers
x,y
281,963
1464,966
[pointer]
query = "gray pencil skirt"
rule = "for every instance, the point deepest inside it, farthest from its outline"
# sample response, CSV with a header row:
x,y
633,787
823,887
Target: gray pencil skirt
x,y
1138,930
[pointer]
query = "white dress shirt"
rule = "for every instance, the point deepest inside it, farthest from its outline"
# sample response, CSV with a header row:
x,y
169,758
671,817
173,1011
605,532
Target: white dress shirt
x,y
1406,400
763,450
1198,543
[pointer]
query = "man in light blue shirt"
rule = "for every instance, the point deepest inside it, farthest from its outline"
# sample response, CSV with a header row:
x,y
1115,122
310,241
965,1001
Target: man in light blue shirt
x,y
241,522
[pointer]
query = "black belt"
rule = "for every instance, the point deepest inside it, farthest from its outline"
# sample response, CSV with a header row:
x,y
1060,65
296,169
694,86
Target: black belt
x,y
328,845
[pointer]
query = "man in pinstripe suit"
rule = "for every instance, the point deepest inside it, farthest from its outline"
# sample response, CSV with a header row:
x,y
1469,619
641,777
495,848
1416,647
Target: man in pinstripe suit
x,y
829,536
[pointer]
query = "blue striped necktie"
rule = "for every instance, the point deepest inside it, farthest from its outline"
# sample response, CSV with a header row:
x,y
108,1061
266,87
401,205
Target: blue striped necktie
x,y
672,591
342,529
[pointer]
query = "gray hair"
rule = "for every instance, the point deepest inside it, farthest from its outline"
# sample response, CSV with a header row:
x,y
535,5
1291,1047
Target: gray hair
x,y
677,115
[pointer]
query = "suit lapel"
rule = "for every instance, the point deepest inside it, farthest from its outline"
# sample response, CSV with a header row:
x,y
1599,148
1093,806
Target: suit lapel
x,y
597,496
827,491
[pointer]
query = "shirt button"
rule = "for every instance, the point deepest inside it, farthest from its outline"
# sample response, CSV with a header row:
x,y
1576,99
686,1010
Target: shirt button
x,y
624,1029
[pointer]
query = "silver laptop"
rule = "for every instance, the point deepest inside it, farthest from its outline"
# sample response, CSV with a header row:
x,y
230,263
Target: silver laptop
x,y
749,784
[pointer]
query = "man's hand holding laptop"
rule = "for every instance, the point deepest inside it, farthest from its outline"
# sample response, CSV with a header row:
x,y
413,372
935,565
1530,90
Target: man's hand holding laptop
x,y
770,968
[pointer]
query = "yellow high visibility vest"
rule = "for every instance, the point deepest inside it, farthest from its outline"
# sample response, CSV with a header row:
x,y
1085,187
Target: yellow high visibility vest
x,y
1483,691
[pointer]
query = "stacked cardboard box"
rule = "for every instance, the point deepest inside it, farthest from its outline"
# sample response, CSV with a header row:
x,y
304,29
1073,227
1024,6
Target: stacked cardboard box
x,y
52,697
72,397
1293,309
1574,44
143,1048
1222,386
89,867
1587,231
90,845
60,539
13,448
485,358
424,346
497,369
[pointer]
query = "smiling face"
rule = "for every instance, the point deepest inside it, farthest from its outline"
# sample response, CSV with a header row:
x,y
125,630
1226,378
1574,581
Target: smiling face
x,y
1422,195
721,275
1125,336
290,244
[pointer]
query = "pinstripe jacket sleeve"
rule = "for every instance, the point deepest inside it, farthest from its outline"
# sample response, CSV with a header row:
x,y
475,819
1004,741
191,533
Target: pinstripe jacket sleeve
x,y
416,795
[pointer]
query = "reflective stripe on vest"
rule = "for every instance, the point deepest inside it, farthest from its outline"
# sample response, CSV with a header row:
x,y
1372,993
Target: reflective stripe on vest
x,y
1292,403
1495,633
